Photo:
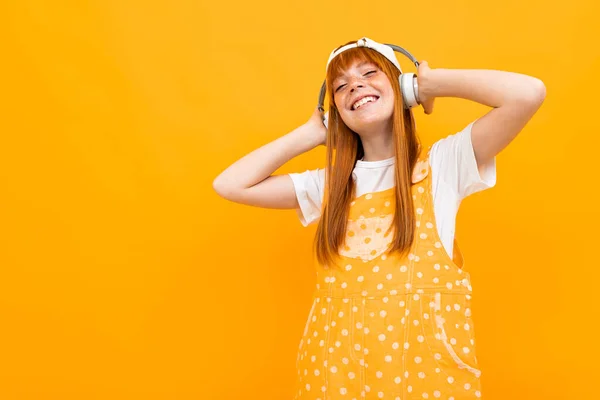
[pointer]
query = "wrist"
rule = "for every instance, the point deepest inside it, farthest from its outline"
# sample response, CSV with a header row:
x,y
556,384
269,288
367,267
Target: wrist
x,y
430,85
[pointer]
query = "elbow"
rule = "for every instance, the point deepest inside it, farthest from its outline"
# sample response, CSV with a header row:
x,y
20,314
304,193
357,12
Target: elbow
x,y
219,187
536,93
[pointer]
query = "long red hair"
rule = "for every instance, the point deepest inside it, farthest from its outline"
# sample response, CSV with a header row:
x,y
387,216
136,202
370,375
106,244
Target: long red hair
x,y
344,148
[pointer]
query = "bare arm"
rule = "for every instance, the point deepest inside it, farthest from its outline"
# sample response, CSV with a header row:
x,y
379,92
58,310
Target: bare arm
x,y
249,180
515,98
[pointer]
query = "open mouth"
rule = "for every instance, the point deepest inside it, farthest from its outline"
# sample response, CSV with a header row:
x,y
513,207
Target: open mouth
x,y
371,100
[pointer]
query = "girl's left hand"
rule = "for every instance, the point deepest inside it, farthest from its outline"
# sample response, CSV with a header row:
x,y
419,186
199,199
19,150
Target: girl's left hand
x,y
425,100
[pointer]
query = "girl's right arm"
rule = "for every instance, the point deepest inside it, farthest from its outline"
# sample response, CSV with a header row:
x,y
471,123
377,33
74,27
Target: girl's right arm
x,y
250,181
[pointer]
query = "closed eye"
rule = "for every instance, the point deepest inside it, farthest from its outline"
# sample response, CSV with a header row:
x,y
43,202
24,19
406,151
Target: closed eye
x,y
338,88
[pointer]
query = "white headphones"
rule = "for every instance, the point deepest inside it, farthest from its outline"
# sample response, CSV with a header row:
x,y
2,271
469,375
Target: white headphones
x,y
408,83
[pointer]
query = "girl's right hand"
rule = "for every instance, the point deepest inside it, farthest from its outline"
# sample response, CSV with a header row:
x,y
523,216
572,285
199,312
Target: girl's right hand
x,y
316,126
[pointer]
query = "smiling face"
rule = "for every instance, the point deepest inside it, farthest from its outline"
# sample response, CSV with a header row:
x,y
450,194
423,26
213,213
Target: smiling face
x,y
364,80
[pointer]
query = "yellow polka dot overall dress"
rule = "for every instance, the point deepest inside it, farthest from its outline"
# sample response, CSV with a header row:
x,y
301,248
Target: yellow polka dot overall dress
x,y
392,328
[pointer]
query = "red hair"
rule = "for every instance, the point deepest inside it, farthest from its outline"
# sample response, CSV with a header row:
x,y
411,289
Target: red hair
x,y
344,148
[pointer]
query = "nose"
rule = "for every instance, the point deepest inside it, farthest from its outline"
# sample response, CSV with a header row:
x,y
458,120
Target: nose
x,y
355,85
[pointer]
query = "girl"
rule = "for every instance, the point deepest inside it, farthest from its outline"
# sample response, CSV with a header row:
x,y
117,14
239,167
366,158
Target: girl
x,y
391,313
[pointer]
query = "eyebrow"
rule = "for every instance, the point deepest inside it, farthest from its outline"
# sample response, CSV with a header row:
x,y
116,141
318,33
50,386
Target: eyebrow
x,y
358,66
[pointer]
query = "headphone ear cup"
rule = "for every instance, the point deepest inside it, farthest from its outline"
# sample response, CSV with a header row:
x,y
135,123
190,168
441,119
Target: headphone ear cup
x,y
326,119
408,90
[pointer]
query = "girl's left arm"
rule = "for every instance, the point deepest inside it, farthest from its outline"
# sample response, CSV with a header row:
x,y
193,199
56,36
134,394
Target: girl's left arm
x,y
515,98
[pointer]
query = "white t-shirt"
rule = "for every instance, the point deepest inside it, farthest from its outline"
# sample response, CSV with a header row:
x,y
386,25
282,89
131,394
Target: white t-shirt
x,y
454,175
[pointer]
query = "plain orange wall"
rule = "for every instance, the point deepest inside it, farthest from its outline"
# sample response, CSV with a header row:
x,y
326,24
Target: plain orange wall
x,y
124,276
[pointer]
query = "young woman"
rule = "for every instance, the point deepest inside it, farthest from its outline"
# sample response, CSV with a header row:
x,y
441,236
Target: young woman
x,y
391,314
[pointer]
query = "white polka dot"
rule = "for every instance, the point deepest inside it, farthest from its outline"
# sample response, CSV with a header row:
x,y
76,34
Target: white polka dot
x,y
322,343
467,327
388,277
416,297
450,379
345,360
401,303
438,245
419,211
338,343
420,338
453,341
425,315
366,330
436,267
387,203
448,308
419,274
369,196
425,396
457,307
379,374
406,345
390,328
308,387
357,347
351,375
416,322
438,356
468,312
354,308
382,313
343,390
449,285
379,286
395,345
380,395
437,394
477,393
423,236
348,267
397,380
436,280
388,358
408,285
429,253
317,372
409,389
371,210
367,388
360,278
381,337
344,285
333,369
466,350
344,332
331,349
333,323
420,189
359,325
385,299
418,359
403,268
467,386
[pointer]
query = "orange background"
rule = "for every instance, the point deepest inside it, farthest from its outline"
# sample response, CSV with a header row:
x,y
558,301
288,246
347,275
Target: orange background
x,y
124,276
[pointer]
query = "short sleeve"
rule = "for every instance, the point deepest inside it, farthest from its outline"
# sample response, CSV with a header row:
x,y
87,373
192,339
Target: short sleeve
x,y
453,161
309,187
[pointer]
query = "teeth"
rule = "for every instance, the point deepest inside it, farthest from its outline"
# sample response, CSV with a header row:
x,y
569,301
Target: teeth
x,y
363,101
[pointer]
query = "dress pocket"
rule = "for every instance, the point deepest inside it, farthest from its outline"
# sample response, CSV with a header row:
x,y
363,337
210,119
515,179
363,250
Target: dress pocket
x,y
450,335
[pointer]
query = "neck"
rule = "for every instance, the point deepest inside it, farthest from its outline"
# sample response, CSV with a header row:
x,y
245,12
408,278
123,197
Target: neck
x,y
377,146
